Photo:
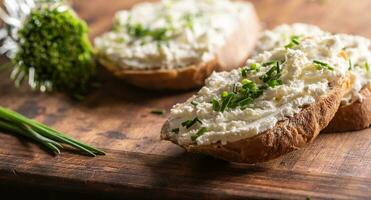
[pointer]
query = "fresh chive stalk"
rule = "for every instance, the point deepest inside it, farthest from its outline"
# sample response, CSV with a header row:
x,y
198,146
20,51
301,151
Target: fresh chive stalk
x,y
188,123
294,41
46,136
200,132
322,65
158,111
367,66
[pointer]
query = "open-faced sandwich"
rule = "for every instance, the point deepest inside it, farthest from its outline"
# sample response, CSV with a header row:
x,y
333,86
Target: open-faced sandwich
x,y
355,110
276,104
177,44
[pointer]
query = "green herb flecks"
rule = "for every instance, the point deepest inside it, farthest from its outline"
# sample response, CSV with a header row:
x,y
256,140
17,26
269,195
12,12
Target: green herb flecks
x,y
187,124
188,20
322,65
244,93
294,41
200,132
350,64
194,103
272,77
253,67
215,104
158,111
367,66
48,137
139,31
175,130
227,98
54,51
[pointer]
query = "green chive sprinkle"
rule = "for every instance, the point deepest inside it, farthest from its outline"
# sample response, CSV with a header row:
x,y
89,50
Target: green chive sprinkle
x,y
322,65
215,104
200,132
175,130
366,66
226,100
294,41
191,122
350,65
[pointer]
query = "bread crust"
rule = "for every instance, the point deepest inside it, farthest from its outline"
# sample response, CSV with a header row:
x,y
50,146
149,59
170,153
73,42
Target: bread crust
x,y
286,136
352,117
232,55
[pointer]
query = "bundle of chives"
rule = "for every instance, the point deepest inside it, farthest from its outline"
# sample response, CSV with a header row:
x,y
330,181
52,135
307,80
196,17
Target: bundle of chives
x,y
48,137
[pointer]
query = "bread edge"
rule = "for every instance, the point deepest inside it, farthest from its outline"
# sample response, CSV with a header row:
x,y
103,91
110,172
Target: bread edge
x,y
352,117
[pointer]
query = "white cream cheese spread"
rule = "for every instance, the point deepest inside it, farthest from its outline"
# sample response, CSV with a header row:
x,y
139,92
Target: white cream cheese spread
x,y
356,51
171,33
284,81
280,36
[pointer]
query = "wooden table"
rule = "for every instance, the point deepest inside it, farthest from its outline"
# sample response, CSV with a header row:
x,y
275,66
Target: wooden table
x,y
117,119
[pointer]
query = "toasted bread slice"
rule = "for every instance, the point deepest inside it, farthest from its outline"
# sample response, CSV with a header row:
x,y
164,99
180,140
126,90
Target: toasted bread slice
x,y
354,113
276,104
237,47
286,136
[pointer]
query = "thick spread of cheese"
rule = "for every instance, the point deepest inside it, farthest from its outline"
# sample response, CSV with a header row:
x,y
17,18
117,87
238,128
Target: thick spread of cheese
x,y
303,83
193,30
357,49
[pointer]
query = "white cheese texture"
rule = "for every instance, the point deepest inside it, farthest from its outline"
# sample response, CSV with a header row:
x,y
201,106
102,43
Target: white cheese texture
x,y
303,83
195,30
356,48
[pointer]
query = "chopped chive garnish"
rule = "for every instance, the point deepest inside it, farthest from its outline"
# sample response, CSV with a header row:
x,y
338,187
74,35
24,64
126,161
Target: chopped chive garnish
x,y
244,72
175,130
200,132
366,66
226,100
216,105
235,88
350,64
194,103
269,63
253,67
271,78
191,122
139,31
294,41
322,65
245,81
158,111
188,20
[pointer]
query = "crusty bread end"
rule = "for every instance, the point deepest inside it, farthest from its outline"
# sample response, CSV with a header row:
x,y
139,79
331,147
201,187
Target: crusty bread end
x,y
352,117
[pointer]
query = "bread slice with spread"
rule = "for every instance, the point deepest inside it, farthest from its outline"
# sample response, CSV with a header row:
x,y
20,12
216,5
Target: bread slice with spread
x,y
276,104
355,110
177,44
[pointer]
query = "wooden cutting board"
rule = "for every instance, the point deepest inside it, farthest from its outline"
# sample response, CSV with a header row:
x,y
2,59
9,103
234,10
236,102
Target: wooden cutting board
x,y
117,119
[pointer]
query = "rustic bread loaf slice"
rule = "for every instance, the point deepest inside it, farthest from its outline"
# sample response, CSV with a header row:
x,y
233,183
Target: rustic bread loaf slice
x,y
354,112
220,37
276,104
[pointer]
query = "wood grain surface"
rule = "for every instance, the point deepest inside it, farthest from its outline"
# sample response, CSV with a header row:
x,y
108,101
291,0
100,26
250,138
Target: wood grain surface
x,y
117,119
